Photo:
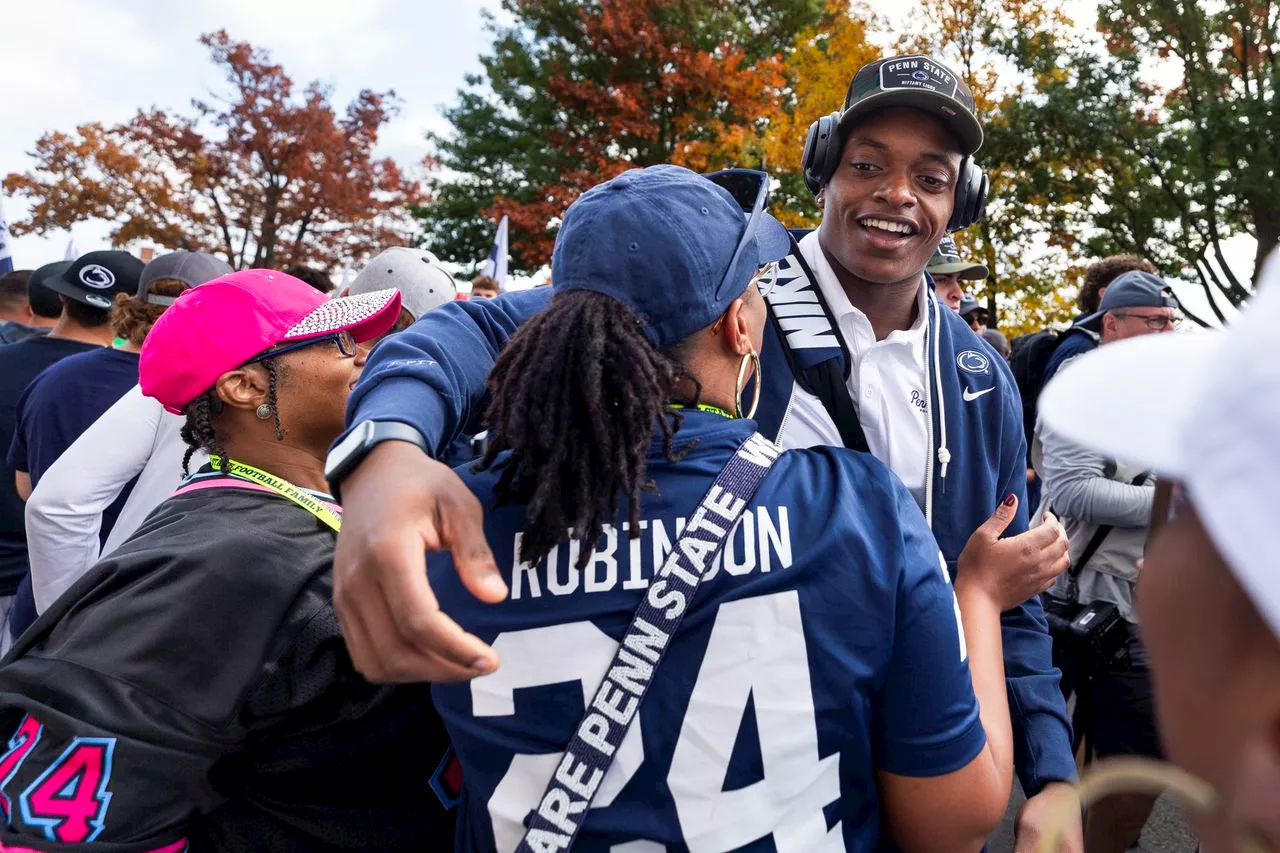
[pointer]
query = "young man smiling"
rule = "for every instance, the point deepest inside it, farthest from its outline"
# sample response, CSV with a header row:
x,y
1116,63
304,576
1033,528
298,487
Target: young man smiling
x,y
858,353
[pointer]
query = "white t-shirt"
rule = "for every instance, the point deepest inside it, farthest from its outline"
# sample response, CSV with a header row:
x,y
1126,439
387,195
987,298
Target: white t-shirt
x,y
136,437
886,382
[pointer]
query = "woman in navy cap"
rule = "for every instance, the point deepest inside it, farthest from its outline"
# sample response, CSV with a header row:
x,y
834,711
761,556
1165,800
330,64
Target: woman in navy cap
x,y
702,647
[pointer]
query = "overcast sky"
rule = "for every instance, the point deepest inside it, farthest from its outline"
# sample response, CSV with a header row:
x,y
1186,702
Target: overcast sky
x,y
71,62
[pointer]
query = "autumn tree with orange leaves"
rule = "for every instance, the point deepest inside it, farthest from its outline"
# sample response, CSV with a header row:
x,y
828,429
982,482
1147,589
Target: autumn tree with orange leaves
x,y
819,64
264,175
574,93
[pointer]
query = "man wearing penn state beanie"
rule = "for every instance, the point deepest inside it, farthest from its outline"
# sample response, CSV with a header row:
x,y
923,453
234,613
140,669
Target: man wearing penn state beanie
x,y
859,353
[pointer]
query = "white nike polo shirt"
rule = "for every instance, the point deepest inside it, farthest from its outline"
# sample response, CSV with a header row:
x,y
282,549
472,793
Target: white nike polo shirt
x,y
887,382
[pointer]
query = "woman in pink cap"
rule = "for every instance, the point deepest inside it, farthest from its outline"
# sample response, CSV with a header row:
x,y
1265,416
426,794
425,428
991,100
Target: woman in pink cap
x,y
193,692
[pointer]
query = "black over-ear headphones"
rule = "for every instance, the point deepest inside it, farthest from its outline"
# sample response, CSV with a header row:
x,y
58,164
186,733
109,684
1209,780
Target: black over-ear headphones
x,y
822,150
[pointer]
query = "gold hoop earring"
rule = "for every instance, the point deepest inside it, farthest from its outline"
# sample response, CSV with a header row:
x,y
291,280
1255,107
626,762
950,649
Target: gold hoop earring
x,y
754,360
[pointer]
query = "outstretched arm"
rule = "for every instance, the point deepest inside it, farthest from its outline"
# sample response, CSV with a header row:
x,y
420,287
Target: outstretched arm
x,y
399,503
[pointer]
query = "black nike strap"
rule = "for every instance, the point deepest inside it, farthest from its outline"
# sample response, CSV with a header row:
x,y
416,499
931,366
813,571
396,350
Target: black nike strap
x,y
831,389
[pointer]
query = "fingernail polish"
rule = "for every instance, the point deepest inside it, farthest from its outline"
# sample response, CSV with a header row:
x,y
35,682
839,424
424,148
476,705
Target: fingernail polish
x,y
1009,499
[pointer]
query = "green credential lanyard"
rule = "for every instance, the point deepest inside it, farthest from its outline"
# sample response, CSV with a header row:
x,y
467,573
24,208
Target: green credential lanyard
x,y
705,407
281,487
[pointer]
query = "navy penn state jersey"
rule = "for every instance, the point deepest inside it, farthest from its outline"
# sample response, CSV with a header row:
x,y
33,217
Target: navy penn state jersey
x,y
824,645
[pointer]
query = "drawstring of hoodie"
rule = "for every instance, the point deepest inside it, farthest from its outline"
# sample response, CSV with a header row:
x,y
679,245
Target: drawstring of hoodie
x,y
944,455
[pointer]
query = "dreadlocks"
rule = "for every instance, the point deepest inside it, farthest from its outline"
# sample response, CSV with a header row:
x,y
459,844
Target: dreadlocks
x,y
575,396
199,433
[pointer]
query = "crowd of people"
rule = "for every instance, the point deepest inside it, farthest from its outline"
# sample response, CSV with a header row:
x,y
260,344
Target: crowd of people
x,y
733,537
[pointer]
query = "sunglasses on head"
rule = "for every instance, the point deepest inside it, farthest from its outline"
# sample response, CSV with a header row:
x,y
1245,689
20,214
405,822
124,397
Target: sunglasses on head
x,y
750,189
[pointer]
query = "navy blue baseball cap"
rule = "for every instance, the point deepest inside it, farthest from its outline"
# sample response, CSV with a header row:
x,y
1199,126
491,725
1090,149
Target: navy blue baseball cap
x,y
660,240
1134,289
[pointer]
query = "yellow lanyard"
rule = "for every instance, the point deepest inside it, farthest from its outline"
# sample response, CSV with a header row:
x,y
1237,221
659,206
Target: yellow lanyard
x,y
281,487
706,407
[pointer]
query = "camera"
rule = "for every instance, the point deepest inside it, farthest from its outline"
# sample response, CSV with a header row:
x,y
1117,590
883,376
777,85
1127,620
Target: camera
x,y
1095,632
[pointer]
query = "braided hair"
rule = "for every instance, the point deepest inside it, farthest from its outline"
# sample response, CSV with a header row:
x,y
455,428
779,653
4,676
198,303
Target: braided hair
x,y
198,431
575,396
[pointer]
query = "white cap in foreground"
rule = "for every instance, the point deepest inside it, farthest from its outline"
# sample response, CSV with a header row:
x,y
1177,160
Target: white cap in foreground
x,y
1201,408
422,282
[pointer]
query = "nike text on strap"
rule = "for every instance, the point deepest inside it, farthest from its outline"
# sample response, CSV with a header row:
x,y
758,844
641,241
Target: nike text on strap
x,y
563,806
816,353
281,487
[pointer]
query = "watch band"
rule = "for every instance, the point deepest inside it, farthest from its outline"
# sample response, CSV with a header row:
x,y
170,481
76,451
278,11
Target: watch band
x,y
365,436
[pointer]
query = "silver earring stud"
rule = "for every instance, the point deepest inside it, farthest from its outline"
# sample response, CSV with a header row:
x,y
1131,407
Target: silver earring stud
x,y
265,412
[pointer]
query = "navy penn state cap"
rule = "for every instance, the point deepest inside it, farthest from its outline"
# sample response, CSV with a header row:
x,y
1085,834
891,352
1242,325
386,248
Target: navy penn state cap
x,y
660,241
920,82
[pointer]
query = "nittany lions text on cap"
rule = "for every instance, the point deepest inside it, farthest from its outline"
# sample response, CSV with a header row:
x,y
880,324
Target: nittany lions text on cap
x,y
917,81
96,278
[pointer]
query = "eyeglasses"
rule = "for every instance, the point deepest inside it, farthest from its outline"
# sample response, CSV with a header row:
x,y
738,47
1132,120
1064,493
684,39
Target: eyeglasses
x,y
750,189
1156,323
345,342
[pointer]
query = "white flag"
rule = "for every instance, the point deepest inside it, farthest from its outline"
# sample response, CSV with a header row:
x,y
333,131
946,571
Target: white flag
x,y
6,245
496,266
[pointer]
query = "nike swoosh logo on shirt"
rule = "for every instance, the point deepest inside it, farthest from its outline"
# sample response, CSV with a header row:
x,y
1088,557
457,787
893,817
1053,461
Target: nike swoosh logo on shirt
x,y
970,396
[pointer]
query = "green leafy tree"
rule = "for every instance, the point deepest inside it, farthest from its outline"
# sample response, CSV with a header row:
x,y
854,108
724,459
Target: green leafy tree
x,y
1167,137
573,93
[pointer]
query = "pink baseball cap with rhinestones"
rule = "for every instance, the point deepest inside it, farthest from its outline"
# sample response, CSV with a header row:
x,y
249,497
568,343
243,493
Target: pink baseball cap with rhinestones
x,y
225,322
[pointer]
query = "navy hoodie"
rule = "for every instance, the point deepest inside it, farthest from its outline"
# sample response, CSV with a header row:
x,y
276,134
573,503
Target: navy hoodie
x,y
432,377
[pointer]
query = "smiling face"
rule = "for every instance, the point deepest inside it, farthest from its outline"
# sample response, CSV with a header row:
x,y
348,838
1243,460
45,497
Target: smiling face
x,y
889,201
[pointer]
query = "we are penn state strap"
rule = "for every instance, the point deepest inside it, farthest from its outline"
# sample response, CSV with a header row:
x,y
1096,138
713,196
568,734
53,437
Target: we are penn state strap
x,y
555,822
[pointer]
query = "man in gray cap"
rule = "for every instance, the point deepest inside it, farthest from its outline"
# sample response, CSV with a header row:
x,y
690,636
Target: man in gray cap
x,y
1105,503
1201,411
1132,298
948,271
109,472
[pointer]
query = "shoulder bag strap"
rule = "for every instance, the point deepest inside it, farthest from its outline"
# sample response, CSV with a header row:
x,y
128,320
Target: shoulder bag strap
x,y
1095,542
563,806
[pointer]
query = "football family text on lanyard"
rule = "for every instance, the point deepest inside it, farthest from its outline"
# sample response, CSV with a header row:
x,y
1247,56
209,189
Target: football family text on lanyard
x,y
281,487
